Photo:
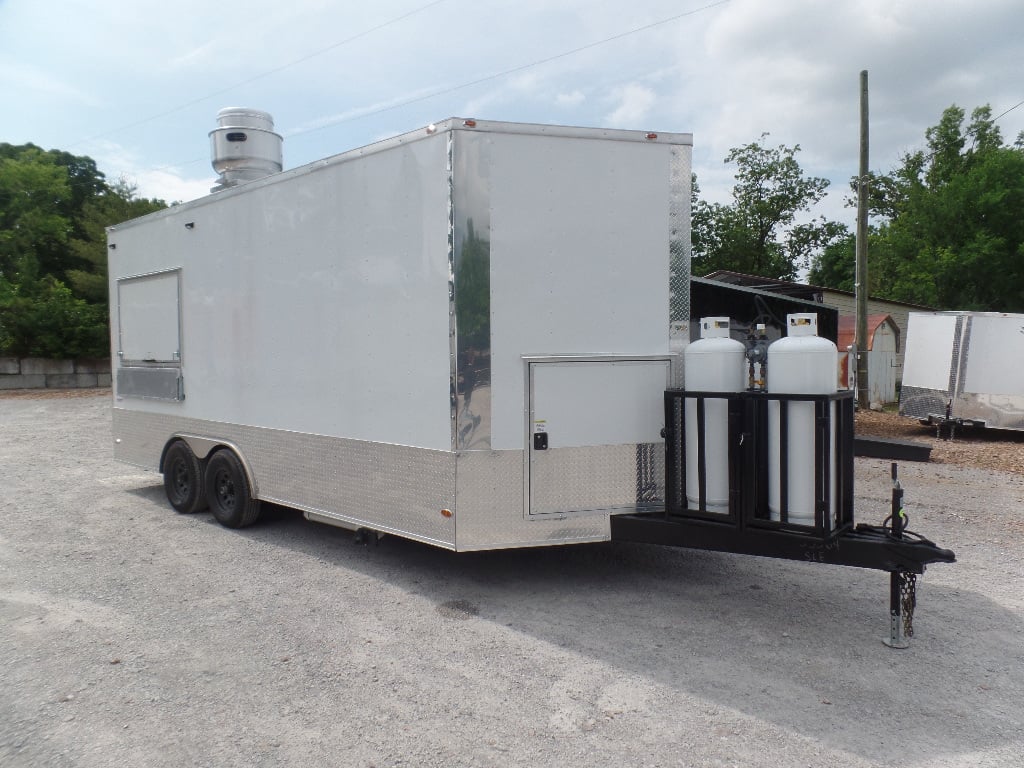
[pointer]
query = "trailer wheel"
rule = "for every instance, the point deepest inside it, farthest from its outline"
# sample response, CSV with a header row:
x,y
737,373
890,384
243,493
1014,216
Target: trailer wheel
x,y
183,478
228,493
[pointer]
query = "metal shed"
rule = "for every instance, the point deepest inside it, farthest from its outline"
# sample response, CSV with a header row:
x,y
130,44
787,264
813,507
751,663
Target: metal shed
x,y
882,348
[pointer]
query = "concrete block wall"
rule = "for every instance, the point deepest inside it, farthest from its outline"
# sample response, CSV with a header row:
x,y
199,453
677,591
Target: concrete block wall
x,y
39,373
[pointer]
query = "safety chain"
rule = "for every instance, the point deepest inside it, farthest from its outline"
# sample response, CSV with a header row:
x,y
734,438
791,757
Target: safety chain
x,y
908,601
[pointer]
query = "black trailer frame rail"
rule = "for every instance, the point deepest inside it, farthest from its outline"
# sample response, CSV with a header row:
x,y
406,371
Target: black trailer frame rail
x,y
748,527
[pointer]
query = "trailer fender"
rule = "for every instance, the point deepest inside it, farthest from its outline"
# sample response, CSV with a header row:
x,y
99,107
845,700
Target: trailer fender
x,y
202,447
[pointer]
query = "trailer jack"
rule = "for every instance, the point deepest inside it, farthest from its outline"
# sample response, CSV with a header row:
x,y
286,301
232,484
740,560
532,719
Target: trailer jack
x,y
748,527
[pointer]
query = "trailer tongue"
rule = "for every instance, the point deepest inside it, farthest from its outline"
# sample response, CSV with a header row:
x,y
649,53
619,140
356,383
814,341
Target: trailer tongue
x,y
748,528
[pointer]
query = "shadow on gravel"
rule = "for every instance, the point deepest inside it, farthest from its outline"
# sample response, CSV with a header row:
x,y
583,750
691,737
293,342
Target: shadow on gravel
x,y
150,493
790,643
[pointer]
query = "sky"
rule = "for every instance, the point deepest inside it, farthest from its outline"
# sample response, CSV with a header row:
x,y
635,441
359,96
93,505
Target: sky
x,y
136,84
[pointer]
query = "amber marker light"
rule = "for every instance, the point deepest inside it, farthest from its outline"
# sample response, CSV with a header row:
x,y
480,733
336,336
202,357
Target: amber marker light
x,y
652,135
446,513
469,123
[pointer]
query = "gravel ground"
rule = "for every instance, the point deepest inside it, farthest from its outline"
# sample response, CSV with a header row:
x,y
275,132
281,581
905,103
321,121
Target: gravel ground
x,y
132,636
985,448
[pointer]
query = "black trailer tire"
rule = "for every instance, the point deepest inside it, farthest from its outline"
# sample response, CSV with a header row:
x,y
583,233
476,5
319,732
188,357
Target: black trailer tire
x,y
183,478
228,492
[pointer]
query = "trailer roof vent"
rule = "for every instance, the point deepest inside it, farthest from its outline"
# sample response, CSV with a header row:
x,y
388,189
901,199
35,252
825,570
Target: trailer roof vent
x,y
244,147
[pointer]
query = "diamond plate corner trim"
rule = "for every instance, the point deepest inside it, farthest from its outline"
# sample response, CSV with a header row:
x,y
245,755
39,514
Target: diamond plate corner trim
x,y
961,352
390,488
680,182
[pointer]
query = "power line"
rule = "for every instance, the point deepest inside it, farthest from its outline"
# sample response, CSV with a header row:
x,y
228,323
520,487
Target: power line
x,y
477,81
1018,104
513,70
262,75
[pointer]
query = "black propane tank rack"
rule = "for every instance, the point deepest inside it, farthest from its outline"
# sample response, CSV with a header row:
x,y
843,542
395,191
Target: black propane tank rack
x,y
749,452
748,528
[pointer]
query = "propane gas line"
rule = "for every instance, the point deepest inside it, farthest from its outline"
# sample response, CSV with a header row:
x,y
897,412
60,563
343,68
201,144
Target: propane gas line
x,y
757,357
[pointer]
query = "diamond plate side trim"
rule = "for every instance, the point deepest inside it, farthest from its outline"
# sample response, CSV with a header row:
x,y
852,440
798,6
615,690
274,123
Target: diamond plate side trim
x,y
490,490
922,403
995,411
390,488
619,478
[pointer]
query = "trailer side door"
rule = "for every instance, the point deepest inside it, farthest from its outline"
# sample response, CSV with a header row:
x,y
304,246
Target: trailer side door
x,y
594,435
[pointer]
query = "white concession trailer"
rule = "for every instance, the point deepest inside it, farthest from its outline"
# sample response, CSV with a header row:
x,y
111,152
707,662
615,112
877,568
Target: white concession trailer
x,y
472,335
461,335
965,368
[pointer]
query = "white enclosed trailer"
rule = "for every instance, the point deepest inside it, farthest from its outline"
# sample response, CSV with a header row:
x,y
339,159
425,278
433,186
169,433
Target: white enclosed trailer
x,y
460,335
965,367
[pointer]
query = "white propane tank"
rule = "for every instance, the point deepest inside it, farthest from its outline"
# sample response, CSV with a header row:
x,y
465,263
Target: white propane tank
x,y
715,363
802,363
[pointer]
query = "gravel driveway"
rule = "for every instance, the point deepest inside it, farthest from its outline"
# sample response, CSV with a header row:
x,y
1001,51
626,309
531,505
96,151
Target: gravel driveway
x,y
133,636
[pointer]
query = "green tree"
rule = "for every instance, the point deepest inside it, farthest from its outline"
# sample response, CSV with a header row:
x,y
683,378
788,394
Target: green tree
x,y
835,266
44,319
951,234
33,225
54,210
757,232
80,182
115,203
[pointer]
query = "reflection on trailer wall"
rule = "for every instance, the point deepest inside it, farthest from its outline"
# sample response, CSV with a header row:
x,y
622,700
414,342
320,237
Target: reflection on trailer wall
x,y
747,306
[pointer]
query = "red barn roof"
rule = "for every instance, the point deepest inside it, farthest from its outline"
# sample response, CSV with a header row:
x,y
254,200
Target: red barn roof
x,y
848,329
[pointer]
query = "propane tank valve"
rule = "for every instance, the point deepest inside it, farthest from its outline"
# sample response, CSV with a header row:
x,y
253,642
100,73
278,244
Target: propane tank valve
x,y
757,357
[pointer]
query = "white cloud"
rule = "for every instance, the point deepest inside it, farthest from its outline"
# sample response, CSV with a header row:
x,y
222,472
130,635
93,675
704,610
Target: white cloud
x,y
791,68
351,114
31,79
197,58
340,75
168,183
571,99
634,102
170,186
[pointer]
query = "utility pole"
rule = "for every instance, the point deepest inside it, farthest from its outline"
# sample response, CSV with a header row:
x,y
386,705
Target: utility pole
x,y
861,279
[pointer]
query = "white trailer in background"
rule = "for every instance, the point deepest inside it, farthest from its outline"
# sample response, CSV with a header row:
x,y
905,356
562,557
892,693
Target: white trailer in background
x,y
965,368
460,335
